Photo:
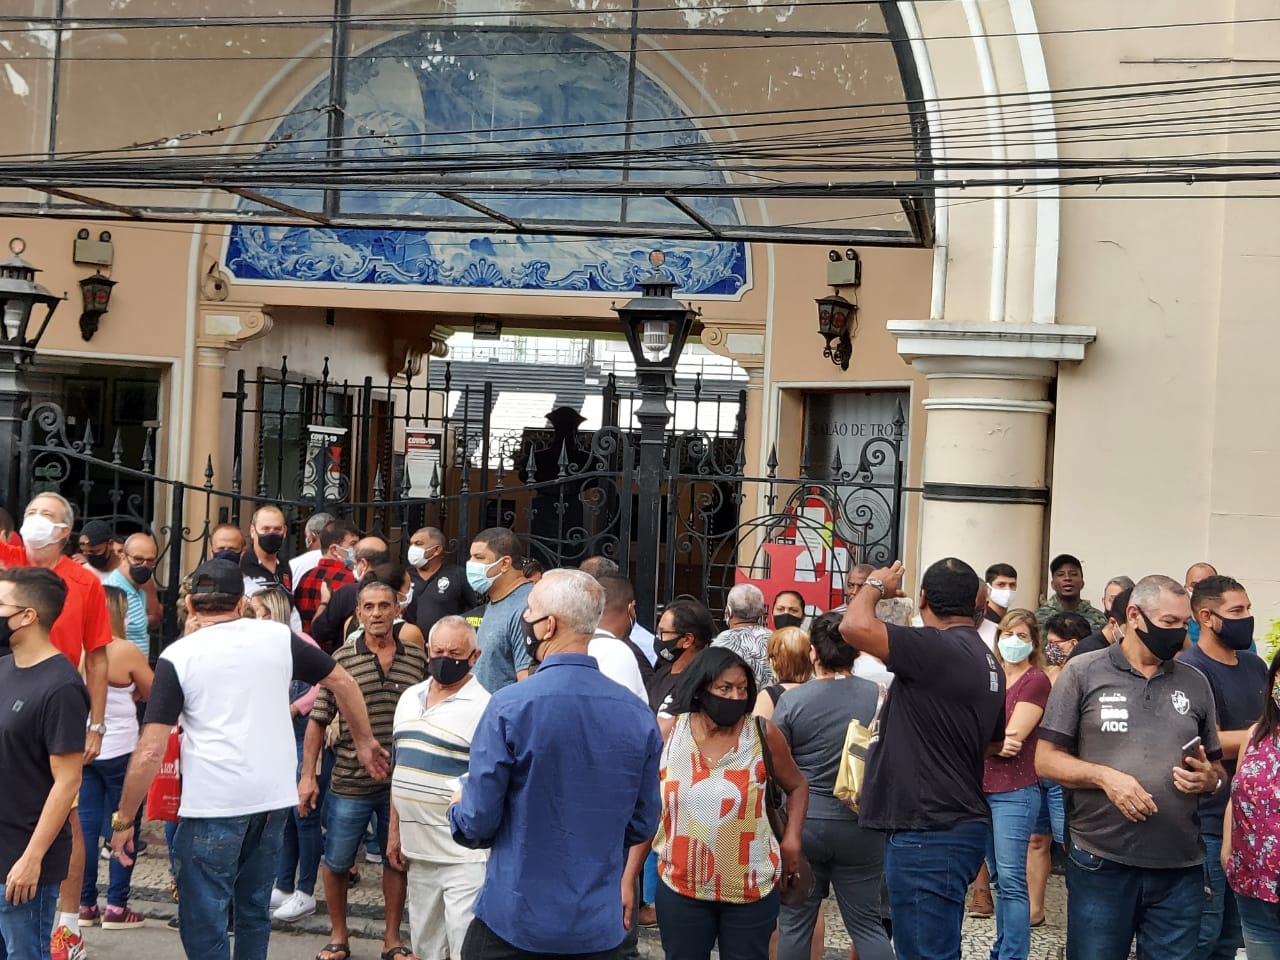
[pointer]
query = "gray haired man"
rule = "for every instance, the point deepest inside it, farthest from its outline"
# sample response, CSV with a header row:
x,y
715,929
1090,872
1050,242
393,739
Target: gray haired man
x,y
744,611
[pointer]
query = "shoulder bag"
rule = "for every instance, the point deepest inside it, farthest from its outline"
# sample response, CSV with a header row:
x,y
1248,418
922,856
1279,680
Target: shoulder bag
x,y
794,888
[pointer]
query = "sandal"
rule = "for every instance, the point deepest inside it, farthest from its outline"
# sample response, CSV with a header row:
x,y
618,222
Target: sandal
x,y
336,951
400,951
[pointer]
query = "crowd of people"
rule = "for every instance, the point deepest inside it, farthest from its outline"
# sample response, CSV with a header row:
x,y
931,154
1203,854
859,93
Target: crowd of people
x,y
536,774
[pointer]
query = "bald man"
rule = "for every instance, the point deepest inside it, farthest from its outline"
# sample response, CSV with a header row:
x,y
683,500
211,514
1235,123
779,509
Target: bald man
x,y
1195,573
132,576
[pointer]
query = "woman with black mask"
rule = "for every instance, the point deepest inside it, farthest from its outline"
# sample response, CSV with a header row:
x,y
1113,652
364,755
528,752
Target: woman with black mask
x,y
713,779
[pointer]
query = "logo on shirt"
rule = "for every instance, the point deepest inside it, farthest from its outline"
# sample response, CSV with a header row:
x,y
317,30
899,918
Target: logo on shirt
x,y
442,585
1180,702
17,705
1115,720
994,675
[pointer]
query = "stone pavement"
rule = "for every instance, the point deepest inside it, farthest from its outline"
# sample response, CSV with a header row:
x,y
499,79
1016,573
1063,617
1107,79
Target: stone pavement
x,y
301,940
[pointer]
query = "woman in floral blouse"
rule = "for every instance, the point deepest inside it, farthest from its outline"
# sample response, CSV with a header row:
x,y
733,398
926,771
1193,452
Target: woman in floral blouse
x,y
1251,831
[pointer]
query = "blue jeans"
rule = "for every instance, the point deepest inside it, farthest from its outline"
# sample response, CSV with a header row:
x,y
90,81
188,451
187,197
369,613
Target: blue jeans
x,y
221,861
303,841
1220,935
690,928
1109,903
1013,815
345,822
1261,922
927,872
99,795
25,929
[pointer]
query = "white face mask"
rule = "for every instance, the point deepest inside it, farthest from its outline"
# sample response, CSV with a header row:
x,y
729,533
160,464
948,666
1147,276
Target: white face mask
x,y
417,556
38,532
1002,597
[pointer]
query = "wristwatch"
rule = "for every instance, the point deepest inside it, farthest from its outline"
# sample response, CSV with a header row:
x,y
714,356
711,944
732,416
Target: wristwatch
x,y
99,728
873,582
119,822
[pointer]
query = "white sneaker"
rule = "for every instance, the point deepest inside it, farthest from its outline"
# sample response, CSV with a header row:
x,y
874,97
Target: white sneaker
x,y
298,905
372,857
278,898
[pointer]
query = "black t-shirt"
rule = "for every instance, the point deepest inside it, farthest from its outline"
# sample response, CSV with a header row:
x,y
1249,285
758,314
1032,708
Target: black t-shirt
x,y
924,772
43,712
1239,694
661,686
445,594
1090,644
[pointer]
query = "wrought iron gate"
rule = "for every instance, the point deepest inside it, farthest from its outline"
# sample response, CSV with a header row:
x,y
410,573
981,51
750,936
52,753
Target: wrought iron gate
x,y
313,444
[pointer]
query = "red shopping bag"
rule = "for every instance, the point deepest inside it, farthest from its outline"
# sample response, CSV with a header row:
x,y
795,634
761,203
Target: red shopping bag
x,y
165,793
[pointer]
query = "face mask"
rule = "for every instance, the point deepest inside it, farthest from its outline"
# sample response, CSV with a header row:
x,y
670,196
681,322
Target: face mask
x,y
783,620
408,599
447,671
723,711
1236,634
139,574
1054,654
6,632
98,561
349,558
478,575
1193,631
1013,648
1002,597
531,641
270,543
226,555
39,532
668,650
1163,642
1275,693
417,556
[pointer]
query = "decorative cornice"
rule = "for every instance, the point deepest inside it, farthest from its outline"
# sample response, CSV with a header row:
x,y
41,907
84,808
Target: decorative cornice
x,y
230,325
1043,407
941,348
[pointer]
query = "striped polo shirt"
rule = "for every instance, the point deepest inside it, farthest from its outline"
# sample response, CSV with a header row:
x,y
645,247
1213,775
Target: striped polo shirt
x,y
433,749
381,692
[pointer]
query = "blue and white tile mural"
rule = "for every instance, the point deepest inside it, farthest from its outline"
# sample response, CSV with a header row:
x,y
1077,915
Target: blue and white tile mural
x,y
486,96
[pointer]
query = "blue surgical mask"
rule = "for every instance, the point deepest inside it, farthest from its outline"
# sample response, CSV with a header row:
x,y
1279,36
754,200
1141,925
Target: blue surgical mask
x,y
349,560
1013,648
478,574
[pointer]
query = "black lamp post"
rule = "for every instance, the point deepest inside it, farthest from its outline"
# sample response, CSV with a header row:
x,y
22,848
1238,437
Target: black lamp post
x,y
656,326
21,328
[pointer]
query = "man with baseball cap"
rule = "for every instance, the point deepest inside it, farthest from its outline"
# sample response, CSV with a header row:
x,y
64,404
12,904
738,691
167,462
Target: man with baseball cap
x,y
228,683
96,551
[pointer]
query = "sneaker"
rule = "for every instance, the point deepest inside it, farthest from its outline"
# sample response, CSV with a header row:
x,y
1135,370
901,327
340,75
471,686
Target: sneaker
x,y
298,905
278,897
647,915
89,916
981,907
372,857
65,945
121,918
105,852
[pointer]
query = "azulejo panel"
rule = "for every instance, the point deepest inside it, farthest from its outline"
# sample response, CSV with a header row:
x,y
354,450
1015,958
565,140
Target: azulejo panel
x,y
508,101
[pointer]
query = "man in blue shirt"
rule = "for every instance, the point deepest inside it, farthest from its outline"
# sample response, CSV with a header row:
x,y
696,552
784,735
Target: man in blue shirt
x,y
1238,678
563,777
494,572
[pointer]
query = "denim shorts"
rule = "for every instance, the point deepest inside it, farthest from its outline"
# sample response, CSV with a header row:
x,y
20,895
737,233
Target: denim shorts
x,y
1052,816
345,821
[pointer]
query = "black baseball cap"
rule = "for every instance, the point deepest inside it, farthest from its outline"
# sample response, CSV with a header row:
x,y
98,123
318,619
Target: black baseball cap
x,y
95,533
217,576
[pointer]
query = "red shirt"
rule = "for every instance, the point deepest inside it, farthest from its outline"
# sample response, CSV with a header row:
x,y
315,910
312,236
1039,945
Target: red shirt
x,y
307,595
1006,774
84,623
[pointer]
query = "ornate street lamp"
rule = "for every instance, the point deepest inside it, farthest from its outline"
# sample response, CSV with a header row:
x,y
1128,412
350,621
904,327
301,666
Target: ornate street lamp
x,y
656,326
837,321
22,301
96,293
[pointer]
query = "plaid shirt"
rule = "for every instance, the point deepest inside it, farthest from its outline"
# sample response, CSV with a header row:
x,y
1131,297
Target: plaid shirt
x,y
306,595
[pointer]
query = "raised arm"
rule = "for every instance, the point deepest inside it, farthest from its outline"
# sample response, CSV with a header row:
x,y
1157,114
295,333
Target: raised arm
x,y
860,628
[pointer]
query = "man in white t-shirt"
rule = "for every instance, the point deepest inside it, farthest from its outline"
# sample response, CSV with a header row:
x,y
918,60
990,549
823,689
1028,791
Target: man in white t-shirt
x,y
434,723
228,684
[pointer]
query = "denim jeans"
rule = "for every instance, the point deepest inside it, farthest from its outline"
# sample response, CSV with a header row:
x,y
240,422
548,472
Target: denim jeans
x,y
1220,935
99,795
1261,922
345,822
850,860
25,929
1052,817
928,872
221,861
649,880
690,928
1013,815
303,840
1109,903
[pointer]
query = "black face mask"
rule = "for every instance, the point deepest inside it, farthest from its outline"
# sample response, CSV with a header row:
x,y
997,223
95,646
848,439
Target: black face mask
x,y
448,671
1163,642
531,641
139,574
723,711
226,555
6,633
270,542
668,650
98,561
783,620
1236,634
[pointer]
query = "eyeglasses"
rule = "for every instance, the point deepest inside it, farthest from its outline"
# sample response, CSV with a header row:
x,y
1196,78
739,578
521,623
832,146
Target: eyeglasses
x,y
141,561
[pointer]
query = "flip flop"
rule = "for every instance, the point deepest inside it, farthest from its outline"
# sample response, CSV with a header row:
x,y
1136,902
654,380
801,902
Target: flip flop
x,y
400,951
343,950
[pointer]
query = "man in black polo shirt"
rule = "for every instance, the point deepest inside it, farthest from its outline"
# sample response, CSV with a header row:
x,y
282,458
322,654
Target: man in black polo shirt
x,y
1113,735
1238,679
261,564
440,589
943,715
